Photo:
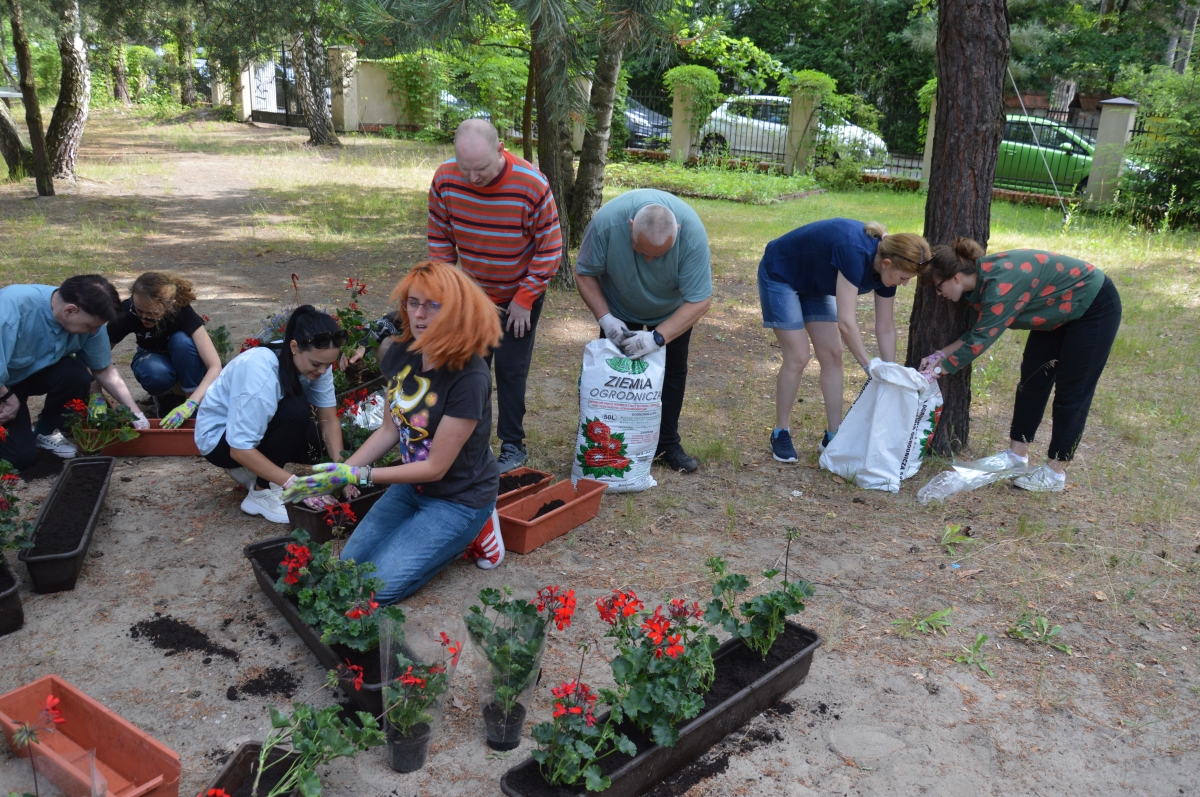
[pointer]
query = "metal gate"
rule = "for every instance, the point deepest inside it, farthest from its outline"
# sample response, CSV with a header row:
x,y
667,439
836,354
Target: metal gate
x,y
275,100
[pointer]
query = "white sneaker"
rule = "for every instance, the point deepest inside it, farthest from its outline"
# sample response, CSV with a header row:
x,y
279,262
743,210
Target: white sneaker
x,y
267,503
1042,480
243,476
57,444
1002,461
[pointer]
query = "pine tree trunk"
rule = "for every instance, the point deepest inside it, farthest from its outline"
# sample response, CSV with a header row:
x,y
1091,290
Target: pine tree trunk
x,y
317,117
120,74
972,54
17,156
33,109
527,112
554,140
70,114
589,182
186,38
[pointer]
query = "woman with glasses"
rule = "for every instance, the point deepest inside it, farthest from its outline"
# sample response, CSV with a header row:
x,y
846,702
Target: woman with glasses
x,y
1073,311
809,282
173,347
442,498
258,414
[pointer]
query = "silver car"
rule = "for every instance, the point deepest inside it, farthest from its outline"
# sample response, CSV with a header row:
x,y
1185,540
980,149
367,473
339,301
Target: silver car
x,y
756,126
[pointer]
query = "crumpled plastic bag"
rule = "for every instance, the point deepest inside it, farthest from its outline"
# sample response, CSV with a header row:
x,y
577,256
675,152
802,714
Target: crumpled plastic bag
x,y
368,413
965,476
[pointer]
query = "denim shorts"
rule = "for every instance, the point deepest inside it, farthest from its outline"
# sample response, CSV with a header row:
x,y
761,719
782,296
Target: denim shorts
x,y
783,308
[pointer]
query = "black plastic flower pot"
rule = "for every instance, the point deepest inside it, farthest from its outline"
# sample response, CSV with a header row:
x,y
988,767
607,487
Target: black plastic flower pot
x,y
408,753
745,685
503,732
62,531
237,776
313,520
12,616
265,557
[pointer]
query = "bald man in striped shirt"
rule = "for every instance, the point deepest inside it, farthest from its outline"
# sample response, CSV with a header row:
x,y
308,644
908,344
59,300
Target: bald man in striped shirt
x,y
494,215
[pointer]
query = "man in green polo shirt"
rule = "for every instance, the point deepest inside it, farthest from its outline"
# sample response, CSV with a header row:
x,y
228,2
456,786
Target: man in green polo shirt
x,y
643,269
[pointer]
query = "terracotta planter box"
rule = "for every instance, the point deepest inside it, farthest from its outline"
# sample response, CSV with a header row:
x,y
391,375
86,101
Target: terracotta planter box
x,y
134,763
744,687
156,442
239,769
523,533
313,520
265,557
512,496
62,531
12,616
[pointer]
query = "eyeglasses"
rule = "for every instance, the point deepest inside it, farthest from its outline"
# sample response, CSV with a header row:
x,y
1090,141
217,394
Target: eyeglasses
x,y
323,340
937,287
430,306
150,319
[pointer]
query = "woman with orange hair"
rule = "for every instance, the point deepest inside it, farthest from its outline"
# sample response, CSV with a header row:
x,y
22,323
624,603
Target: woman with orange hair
x,y
439,393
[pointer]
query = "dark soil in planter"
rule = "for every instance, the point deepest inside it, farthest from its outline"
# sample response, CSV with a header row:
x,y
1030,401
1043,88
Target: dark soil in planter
x,y
734,672
503,733
549,507
12,615
271,681
269,780
63,526
510,483
47,465
176,636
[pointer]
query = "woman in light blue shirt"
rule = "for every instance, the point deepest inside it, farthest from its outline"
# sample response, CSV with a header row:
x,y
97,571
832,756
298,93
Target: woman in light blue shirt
x,y
258,414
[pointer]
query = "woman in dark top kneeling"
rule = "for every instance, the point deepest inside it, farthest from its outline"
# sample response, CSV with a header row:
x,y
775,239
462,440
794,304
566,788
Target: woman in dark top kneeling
x,y
440,398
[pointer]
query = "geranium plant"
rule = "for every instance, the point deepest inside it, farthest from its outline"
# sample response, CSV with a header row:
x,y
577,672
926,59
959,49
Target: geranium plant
x,y
14,532
573,742
511,633
334,596
411,698
338,516
664,662
603,453
759,621
93,430
27,733
352,406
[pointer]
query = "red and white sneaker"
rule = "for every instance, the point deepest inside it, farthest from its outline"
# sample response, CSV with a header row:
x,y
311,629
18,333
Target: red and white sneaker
x,y
488,547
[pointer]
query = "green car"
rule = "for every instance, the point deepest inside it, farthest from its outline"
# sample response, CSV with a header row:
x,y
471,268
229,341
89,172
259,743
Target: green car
x,y
1035,148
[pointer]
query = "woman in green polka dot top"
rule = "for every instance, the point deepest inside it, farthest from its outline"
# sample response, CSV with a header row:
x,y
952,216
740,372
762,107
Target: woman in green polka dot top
x,y
1073,311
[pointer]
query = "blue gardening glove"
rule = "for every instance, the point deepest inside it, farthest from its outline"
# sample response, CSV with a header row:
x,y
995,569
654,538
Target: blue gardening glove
x,y
638,345
328,477
97,406
177,416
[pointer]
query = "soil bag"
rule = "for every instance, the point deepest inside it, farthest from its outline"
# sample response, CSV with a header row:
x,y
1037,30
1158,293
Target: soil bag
x,y
885,435
620,407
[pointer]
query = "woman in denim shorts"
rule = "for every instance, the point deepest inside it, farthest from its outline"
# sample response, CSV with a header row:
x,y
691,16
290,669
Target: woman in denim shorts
x,y
808,284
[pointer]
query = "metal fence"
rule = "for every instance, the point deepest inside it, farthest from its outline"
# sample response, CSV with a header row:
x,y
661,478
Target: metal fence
x,y
273,92
752,127
647,119
1038,155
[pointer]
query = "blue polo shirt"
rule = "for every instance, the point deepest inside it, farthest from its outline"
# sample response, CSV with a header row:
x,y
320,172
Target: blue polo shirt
x,y
243,399
809,258
31,339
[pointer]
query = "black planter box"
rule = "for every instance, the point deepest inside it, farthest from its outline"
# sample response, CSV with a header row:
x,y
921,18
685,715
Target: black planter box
x,y
653,763
371,385
240,767
313,520
265,557
12,616
57,572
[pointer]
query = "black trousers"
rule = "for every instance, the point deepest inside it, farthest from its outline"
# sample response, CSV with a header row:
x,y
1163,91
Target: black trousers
x,y
292,436
674,386
513,357
65,380
1070,360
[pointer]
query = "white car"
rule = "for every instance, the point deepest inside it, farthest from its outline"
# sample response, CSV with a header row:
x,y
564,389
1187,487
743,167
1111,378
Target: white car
x,y
756,126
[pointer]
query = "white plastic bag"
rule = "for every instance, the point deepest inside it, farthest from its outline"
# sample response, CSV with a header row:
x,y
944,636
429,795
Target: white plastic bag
x,y
886,432
620,408
964,476
368,413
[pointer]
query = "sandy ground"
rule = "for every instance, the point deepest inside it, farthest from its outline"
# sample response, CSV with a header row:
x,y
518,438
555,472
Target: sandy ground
x,y
878,715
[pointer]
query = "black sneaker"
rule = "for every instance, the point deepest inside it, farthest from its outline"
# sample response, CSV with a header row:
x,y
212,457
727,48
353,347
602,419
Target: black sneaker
x,y
511,456
678,459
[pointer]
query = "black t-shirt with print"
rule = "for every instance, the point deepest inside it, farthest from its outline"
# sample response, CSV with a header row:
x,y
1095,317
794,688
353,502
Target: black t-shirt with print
x,y
155,338
418,400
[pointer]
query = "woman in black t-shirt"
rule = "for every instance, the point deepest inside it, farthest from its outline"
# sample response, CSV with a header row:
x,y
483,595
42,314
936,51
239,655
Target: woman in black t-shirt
x,y
173,345
442,498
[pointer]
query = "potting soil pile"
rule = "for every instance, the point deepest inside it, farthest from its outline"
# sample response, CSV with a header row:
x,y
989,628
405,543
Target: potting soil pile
x,y
620,406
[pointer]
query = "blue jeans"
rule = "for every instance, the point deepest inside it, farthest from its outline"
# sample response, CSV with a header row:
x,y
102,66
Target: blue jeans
x,y
409,537
783,308
158,373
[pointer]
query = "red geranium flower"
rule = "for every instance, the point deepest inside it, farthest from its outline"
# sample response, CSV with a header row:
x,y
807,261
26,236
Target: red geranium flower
x,y
3,433
339,515
679,609
408,679
597,431
562,604
619,605
9,477
51,712
77,405
363,608
214,793
357,675
656,626
454,648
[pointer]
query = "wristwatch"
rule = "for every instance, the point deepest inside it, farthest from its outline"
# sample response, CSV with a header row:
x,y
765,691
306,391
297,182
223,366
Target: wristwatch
x,y
659,339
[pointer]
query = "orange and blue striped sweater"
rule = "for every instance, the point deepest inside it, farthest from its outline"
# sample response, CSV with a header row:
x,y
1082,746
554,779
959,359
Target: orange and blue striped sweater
x,y
505,235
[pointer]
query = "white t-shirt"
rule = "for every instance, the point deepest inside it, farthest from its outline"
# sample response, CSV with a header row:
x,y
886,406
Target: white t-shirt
x,y
243,399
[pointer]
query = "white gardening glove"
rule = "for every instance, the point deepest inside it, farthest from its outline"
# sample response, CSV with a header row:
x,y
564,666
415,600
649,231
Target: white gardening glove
x,y
639,344
614,328
140,423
